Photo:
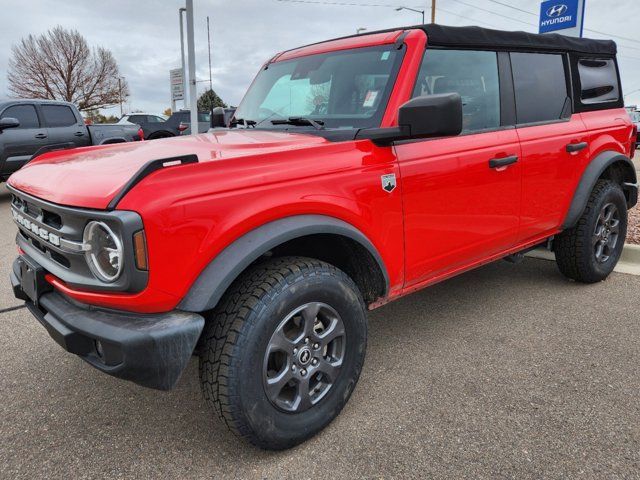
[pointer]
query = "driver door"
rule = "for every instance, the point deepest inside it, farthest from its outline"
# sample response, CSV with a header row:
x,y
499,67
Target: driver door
x,y
461,194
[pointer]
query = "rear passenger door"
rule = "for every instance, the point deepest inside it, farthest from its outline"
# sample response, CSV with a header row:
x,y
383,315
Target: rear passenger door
x,y
553,139
64,126
461,195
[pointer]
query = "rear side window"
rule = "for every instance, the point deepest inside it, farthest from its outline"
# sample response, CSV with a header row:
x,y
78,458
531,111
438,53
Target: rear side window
x,y
598,81
540,87
58,116
25,114
137,118
472,74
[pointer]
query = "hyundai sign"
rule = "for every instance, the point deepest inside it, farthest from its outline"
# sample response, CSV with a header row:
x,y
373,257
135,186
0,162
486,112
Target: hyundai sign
x,y
562,16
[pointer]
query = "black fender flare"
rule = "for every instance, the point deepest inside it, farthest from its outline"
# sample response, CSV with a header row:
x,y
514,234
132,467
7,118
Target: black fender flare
x,y
215,278
592,173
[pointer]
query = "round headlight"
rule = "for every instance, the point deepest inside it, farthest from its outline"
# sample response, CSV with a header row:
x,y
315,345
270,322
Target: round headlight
x,y
103,253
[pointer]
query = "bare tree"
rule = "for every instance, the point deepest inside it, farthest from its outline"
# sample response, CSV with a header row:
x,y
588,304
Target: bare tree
x,y
59,65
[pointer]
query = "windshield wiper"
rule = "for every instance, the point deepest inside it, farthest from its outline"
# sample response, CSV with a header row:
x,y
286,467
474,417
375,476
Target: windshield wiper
x,y
241,121
299,121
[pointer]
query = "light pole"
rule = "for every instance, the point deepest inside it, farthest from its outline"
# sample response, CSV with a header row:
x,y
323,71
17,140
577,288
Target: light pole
x,y
361,29
412,10
433,11
184,72
191,59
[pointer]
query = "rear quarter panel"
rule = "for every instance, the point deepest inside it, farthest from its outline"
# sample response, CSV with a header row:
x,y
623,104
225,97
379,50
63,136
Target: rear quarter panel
x,y
608,130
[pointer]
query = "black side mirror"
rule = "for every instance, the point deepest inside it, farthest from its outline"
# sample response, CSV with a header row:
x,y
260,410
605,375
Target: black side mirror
x,y
218,118
8,122
422,117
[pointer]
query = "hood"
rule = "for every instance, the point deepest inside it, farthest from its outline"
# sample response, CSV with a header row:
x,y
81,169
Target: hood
x,y
91,177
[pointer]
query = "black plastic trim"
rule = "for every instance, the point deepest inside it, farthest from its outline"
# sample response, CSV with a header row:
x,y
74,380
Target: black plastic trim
x,y
147,170
589,178
150,350
216,278
53,148
507,90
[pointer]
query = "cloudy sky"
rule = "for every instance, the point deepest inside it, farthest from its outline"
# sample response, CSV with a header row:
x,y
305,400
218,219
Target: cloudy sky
x,y
144,34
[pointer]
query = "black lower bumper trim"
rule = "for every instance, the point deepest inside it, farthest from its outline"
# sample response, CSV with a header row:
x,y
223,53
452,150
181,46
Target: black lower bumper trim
x,y
150,350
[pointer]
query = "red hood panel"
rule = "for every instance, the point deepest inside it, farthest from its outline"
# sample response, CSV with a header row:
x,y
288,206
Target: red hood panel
x,y
91,177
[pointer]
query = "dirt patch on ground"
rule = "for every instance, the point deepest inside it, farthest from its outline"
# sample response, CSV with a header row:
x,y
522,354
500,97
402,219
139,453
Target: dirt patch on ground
x,y
633,231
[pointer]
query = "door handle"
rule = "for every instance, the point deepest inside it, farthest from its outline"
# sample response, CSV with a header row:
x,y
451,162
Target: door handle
x,y
503,162
41,135
576,147
79,134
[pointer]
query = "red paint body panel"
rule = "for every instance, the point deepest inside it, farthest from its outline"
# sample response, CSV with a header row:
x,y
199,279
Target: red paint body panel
x,y
457,209
372,40
450,212
549,174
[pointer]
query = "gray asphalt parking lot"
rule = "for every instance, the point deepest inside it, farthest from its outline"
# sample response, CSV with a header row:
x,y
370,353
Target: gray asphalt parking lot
x,y
507,371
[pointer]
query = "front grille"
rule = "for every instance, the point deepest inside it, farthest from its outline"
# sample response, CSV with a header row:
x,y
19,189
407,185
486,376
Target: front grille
x,y
51,235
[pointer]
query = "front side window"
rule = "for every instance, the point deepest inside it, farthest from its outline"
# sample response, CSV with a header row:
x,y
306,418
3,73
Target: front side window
x,y
58,116
472,74
25,114
540,87
344,89
598,81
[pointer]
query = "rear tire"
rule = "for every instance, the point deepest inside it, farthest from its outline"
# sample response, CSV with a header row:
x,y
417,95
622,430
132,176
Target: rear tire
x,y
283,351
589,251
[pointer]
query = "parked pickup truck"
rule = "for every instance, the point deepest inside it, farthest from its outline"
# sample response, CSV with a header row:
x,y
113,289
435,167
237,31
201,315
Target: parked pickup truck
x,y
355,172
32,127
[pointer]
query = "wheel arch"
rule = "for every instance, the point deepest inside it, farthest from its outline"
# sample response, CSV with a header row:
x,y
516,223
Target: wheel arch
x,y
609,165
316,236
113,140
160,134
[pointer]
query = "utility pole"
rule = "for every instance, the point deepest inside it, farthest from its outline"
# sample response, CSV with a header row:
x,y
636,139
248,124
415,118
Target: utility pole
x,y
191,59
184,71
209,41
433,11
120,94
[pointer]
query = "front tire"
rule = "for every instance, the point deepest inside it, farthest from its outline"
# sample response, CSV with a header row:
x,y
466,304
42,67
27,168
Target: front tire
x,y
589,251
283,351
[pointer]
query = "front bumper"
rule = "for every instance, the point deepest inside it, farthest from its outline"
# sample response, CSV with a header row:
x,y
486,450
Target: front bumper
x,y
150,350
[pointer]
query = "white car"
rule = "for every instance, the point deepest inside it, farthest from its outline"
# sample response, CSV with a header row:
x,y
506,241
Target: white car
x,y
139,118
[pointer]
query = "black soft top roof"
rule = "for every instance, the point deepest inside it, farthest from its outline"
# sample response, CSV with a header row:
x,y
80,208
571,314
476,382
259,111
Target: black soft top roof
x,y
485,37
446,36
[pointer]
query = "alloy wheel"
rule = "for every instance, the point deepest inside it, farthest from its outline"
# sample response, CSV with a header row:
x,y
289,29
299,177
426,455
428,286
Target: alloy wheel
x,y
304,357
607,233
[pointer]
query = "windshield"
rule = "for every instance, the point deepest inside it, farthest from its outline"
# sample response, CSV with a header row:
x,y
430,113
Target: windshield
x,y
345,89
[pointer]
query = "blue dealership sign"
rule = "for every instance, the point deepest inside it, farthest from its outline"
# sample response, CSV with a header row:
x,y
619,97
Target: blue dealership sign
x,y
562,16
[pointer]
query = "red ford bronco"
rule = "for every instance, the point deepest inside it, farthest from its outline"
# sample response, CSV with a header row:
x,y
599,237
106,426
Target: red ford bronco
x,y
354,172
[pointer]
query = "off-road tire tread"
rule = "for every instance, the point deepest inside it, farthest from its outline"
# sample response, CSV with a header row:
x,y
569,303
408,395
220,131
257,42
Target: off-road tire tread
x,y
573,246
226,332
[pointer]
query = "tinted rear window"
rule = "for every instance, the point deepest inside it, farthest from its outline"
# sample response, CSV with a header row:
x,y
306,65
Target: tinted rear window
x,y
25,114
58,116
598,81
540,87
